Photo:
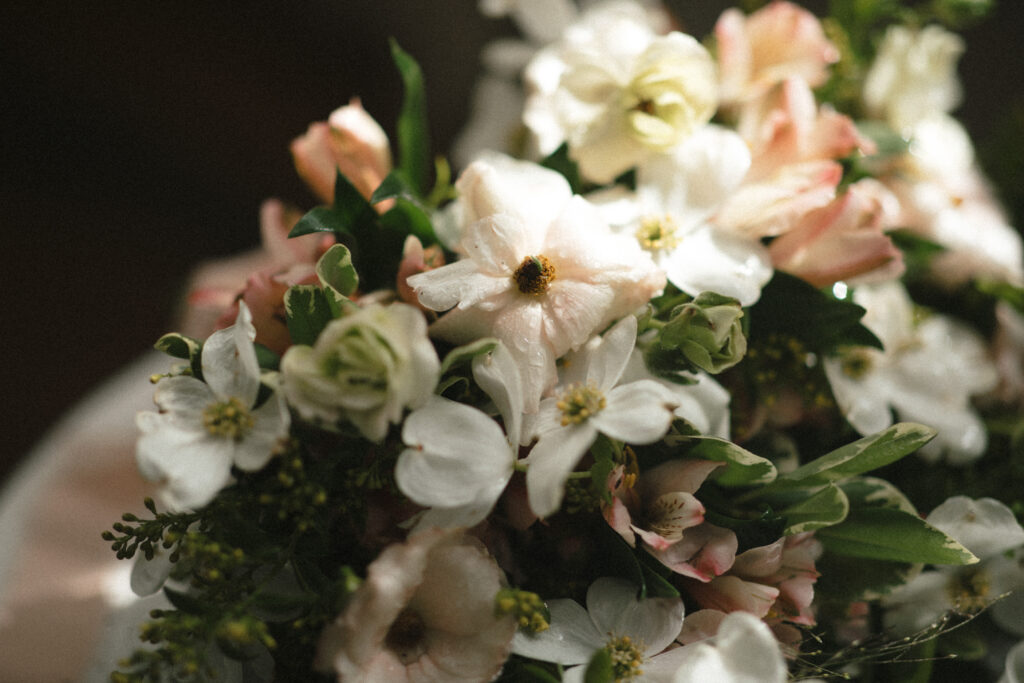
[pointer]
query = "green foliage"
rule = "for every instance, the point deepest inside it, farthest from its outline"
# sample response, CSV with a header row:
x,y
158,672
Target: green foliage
x,y
893,535
308,311
703,334
413,132
743,468
791,307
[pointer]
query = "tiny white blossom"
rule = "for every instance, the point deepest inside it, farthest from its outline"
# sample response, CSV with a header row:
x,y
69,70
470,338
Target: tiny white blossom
x,y
589,401
206,427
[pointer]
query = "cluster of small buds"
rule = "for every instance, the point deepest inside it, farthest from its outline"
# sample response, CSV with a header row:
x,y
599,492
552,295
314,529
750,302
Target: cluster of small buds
x,y
146,535
211,561
580,497
528,609
295,495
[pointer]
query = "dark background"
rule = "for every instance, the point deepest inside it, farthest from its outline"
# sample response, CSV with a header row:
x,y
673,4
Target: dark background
x,y
139,138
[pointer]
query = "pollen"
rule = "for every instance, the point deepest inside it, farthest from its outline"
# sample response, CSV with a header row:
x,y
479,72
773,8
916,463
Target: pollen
x,y
658,233
228,418
534,275
580,402
627,657
969,590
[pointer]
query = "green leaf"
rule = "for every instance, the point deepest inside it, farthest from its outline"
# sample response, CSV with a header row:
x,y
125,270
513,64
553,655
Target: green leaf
x,y
466,353
265,358
599,668
336,271
874,492
917,252
826,507
179,346
743,468
413,132
863,455
308,313
185,602
393,185
1004,291
408,217
894,535
847,579
791,307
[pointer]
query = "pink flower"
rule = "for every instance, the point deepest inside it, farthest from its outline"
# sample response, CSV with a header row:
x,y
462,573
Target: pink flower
x,y
425,613
259,277
415,259
672,519
773,582
352,142
777,42
843,240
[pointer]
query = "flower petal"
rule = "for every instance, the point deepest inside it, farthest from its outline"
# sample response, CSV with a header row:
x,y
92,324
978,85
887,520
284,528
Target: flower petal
x,y
229,360
615,609
571,639
639,412
550,462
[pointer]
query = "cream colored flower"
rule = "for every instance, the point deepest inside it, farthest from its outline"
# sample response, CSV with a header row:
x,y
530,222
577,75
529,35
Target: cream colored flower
x,y
617,92
365,368
914,76
425,613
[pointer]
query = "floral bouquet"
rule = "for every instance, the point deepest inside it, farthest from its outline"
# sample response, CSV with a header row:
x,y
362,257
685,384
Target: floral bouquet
x,y
684,378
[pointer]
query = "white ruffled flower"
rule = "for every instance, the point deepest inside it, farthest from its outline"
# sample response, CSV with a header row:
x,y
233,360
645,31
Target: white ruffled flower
x,y
589,401
425,613
541,272
617,92
366,367
928,372
458,460
914,75
206,427
988,529
633,631
671,212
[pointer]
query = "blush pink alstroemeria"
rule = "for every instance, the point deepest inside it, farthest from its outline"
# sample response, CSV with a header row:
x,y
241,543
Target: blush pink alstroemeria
x,y
350,141
794,146
844,240
542,271
425,613
777,42
773,582
662,510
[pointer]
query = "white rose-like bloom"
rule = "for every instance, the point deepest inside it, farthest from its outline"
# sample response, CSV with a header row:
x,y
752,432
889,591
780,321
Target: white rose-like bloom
x,y
542,271
617,92
366,367
206,427
743,651
927,372
914,75
425,613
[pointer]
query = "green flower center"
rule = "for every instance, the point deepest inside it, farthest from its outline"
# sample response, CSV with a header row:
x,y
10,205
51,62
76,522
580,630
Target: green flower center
x,y
228,418
969,589
534,275
580,402
658,234
627,657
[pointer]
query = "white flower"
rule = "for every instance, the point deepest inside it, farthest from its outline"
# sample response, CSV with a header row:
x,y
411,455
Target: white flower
x,y
366,367
617,92
542,271
633,631
928,372
670,216
743,651
988,529
458,460
589,401
206,427
914,75
425,613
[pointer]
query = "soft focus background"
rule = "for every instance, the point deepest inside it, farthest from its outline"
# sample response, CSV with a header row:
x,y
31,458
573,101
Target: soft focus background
x,y
139,139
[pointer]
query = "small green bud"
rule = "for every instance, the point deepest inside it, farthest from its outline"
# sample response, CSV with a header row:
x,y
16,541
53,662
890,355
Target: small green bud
x,y
706,333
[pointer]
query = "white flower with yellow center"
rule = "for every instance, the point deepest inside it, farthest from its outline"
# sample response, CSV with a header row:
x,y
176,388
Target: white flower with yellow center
x,y
541,270
618,92
671,216
206,427
633,632
590,401
929,370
